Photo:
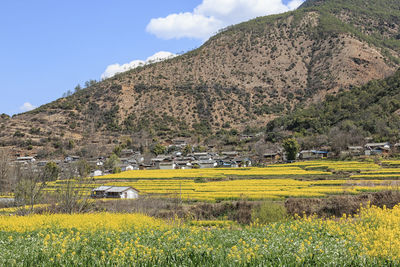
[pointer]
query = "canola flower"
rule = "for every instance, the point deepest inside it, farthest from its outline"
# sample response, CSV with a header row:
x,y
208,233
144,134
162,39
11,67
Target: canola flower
x,y
80,222
368,239
26,207
277,181
253,189
211,173
332,165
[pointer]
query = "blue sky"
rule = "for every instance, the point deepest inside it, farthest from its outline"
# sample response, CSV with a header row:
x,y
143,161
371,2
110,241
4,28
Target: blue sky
x,y
47,47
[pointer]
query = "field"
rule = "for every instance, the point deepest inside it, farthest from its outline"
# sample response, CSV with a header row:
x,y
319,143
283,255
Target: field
x,y
115,239
370,238
301,179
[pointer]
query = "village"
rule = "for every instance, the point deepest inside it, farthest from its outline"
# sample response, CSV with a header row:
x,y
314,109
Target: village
x,y
180,158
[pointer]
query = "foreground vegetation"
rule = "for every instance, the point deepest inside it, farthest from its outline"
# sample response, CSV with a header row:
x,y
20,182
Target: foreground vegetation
x,y
369,238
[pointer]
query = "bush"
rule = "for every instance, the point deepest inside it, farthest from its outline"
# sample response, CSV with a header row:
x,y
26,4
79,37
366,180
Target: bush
x,y
116,170
269,212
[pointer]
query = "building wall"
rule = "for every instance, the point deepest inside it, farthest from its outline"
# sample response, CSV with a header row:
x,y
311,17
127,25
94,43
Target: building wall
x,y
131,194
167,167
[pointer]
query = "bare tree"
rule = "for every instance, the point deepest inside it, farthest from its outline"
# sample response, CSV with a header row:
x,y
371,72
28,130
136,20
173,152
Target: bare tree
x,y
5,171
30,182
74,194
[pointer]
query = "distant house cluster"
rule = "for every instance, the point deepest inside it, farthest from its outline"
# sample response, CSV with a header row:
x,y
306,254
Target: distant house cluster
x,y
372,149
180,158
202,160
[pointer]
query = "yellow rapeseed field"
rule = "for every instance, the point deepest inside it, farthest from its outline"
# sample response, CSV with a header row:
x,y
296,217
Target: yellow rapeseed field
x,y
80,222
254,189
212,173
368,239
273,182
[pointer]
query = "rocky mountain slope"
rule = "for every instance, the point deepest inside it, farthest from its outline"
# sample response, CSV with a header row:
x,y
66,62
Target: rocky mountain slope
x,y
246,75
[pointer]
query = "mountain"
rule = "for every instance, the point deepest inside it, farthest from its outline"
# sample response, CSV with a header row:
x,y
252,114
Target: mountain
x,y
241,78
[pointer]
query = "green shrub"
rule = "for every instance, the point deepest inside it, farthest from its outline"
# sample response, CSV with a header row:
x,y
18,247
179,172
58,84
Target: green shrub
x,y
269,212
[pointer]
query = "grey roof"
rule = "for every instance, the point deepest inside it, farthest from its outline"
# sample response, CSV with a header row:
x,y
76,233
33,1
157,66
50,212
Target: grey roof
x,y
118,189
167,163
206,161
377,144
114,189
182,162
25,158
241,159
102,188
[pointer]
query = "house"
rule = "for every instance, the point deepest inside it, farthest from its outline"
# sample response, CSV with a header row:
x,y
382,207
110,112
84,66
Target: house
x,y
99,163
155,162
242,162
377,148
207,164
125,192
313,154
97,173
167,165
177,154
130,168
227,164
69,159
183,164
143,166
25,159
353,151
198,155
137,157
208,157
230,154
271,156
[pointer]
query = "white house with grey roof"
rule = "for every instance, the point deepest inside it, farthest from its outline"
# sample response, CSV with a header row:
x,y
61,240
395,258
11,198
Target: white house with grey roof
x,y
125,192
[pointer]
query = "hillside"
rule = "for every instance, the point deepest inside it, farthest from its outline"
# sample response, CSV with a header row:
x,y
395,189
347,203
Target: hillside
x,y
372,110
245,76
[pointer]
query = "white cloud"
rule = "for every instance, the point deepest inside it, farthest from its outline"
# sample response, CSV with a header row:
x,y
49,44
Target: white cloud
x,y
114,69
212,15
183,25
26,107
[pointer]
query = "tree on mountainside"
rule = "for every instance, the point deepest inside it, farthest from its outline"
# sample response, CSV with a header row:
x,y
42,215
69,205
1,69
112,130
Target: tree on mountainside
x,y
51,171
187,150
77,88
291,148
112,162
159,149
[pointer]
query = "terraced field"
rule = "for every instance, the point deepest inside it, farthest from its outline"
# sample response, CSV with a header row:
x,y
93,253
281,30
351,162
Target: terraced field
x,y
301,179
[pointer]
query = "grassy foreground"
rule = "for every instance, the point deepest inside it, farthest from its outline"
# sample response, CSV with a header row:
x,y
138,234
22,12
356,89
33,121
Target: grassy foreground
x,y
124,239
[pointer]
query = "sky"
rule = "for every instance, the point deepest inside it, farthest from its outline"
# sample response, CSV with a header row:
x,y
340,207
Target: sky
x,y
48,47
